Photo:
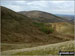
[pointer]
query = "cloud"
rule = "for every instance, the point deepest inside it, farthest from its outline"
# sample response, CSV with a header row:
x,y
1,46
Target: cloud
x,y
36,3
63,7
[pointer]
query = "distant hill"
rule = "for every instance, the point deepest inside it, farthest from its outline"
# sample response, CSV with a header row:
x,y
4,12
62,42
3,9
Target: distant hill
x,y
43,16
18,28
62,24
68,17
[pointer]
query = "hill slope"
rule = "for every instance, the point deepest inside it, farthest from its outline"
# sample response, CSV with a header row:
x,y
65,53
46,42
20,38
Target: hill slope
x,y
43,16
68,17
59,24
17,28
51,49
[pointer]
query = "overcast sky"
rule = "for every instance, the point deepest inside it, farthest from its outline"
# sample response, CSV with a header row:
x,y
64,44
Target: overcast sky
x,y
55,7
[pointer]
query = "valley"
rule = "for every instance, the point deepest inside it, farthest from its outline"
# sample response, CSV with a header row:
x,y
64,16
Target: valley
x,y
34,33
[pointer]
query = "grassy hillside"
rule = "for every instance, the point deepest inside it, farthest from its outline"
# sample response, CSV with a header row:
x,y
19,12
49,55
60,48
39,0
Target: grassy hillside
x,y
44,28
63,27
59,24
17,28
41,16
52,49
20,29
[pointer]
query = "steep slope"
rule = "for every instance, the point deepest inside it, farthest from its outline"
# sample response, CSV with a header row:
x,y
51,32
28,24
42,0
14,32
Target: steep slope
x,y
17,28
60,24
43,16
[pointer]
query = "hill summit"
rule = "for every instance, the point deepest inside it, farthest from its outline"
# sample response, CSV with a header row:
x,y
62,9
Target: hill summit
x,y
18,28
43,16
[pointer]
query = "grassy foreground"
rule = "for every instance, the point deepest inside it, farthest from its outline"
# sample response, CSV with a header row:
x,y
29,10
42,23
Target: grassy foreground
x,y
52,49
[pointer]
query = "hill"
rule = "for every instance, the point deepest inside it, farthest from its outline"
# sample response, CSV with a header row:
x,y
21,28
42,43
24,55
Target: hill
x,y
59,24
41,16
68,17
18,28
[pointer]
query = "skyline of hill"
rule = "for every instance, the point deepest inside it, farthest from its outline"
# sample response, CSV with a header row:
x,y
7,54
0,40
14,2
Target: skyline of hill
x,y
20,29
18,23
37,28
42,16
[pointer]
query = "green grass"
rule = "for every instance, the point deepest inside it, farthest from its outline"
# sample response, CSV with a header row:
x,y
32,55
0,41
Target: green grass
x,y
44,28
53,50
9,46
6,46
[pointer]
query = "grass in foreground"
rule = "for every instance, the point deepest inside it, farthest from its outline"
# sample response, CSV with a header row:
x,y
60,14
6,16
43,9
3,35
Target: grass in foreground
x,y
52,49
7,46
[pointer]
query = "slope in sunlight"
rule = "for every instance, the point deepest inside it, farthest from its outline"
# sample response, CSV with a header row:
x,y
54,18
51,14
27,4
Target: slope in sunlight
x,y
43,16
17,28
50,49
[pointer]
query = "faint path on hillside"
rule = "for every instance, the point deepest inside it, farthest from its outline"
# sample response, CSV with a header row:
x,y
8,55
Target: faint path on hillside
x,y
29,55
9,52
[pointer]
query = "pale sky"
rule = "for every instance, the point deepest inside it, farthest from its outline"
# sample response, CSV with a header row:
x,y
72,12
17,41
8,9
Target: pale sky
x,y
51,6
